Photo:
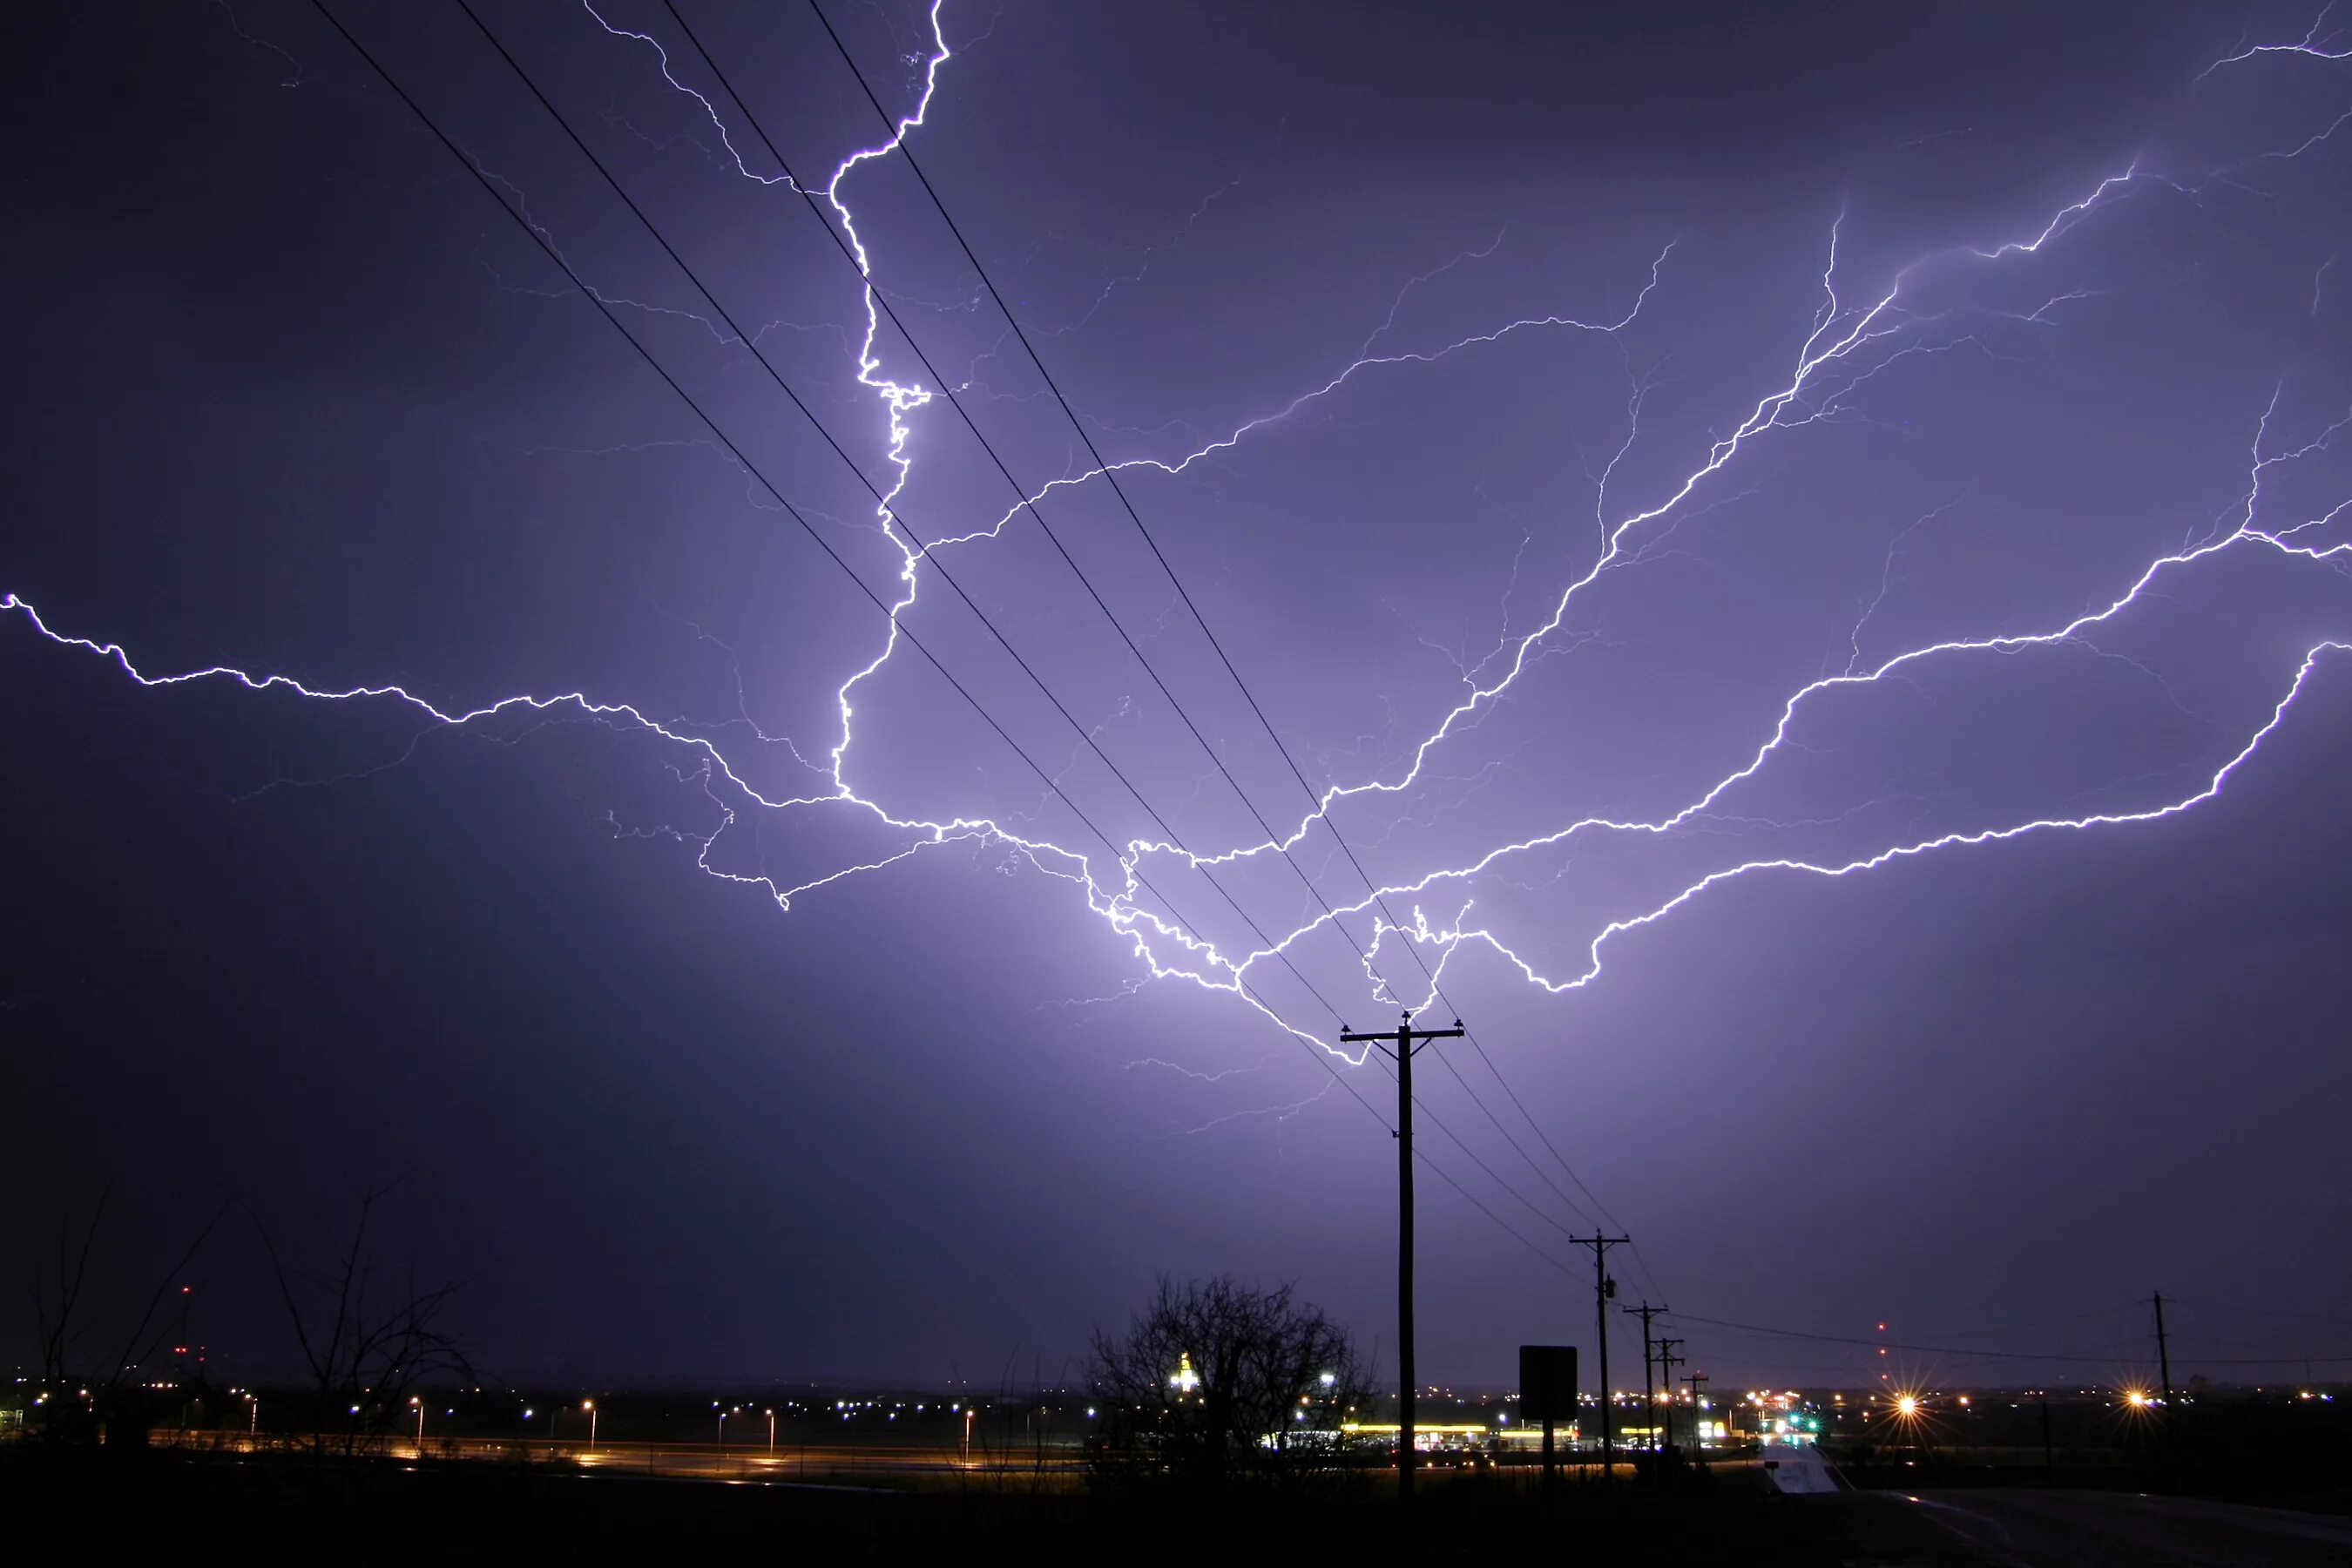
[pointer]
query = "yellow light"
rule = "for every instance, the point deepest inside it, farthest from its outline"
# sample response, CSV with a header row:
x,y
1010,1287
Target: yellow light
x,y
1908,1405
2137,1397
1419,1428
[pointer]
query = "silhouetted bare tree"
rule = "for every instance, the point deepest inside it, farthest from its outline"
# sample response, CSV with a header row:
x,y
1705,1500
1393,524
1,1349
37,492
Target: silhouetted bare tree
x,y
1217,1384
364,1354
76,1397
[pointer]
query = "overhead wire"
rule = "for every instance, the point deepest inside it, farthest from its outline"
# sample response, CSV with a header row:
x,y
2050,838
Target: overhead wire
x,y
1152,542
736,451
1110,477
774,492
889,508
1023,503
2078,1358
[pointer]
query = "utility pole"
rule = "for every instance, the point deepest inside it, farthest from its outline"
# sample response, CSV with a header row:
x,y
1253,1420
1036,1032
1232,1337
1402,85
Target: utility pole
x,y
1398,1048
1667,1361
2163,1354
1649,1395
1603,1289
1698,1381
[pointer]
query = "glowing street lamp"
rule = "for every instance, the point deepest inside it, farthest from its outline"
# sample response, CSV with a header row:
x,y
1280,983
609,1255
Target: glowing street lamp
x,y
420,1423
771,1433
590,1407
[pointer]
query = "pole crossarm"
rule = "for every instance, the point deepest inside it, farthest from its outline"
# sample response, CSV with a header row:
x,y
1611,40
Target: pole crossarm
x,y
1389,1042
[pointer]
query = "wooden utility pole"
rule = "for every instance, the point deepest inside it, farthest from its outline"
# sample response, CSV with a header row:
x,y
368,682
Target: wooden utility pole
x,y
1603,1289
1399,1046
1667,1361
2163,1354
1698,1381
1649,1393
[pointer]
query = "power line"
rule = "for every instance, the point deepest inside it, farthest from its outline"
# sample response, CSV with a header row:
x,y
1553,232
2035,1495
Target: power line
x,y
2240,1307
1030,671
1991,1354
1111,477
1541,1174
737,452
744,461
890,510
1024,503
1471,1154
693,277
2014,1325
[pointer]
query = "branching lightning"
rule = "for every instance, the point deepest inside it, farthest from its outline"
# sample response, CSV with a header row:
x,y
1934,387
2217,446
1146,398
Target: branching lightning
x,y
1844,339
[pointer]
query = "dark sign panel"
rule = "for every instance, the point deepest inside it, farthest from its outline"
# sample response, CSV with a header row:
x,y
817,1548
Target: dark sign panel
x,y
1546,1383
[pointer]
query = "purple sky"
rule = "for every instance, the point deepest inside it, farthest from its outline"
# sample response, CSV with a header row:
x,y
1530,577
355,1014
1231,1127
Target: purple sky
x,y
1797,555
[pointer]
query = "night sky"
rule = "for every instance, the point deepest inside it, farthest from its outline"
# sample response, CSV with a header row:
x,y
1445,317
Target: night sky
x,y
1533,401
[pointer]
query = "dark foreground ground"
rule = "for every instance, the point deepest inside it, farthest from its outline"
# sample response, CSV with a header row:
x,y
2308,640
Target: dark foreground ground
x,y
2014,1527
201,1509
183,1509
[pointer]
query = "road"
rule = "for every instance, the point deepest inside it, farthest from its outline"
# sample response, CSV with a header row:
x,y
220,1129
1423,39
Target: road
x,y
788,1463
2002,1527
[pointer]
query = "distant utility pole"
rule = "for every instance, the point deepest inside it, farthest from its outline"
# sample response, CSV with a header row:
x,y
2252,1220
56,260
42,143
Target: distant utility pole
x,y
1603,1289
2163,1354
1398,1048
1698,1381
1649,1394
1667,1361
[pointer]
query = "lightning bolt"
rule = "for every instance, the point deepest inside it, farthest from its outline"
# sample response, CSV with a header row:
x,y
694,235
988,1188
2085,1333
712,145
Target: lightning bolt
x,y
2318,42
1847,339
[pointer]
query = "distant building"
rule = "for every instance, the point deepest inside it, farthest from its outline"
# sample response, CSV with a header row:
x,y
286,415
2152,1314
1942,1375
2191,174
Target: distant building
x,y
1787,1419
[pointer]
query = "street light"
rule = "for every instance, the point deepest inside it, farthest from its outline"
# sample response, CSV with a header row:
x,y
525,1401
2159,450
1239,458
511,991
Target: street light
x,y
590,1407
413,1399
771,1433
